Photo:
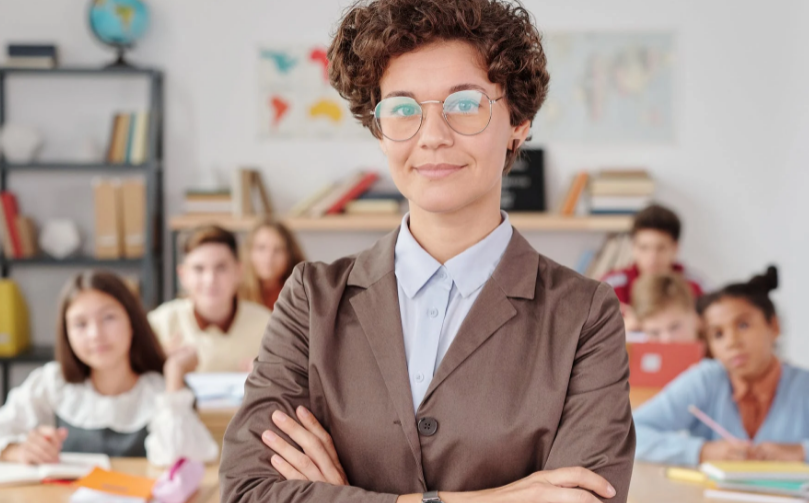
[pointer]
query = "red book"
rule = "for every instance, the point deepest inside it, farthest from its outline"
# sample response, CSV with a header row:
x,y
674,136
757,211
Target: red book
x,y
354,192
9,203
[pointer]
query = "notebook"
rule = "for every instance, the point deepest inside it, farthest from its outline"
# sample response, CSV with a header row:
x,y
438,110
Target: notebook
x,y
217,390
756,470
738,497
778,487
71,466
655,364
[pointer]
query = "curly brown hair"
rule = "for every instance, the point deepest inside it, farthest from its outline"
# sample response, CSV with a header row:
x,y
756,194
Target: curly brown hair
x,y
372,32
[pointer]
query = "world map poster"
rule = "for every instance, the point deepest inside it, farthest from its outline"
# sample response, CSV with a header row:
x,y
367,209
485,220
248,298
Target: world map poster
x,y
608,88
295,98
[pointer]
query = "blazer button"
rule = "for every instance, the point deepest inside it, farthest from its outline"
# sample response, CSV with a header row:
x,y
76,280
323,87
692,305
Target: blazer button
x,y
428,426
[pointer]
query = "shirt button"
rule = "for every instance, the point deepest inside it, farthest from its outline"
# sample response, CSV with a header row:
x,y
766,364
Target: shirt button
x,y
442,275
428,426
419,377
433,312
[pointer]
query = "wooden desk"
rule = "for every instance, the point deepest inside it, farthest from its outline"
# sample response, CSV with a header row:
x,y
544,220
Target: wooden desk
x,y
638,396
217,422
208,493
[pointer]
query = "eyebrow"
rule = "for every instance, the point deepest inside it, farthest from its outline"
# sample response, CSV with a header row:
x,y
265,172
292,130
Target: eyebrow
x,y
453,89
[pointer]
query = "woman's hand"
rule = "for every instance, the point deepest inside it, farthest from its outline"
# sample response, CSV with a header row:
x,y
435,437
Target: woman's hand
x,y
42,445
178,363
723,450
317,463
769,451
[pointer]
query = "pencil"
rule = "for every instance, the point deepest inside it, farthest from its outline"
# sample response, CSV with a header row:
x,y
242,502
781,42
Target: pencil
x,y
716,427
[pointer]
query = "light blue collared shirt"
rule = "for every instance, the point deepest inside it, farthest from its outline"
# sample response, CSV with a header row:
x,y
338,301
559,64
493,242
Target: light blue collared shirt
x,y
434,299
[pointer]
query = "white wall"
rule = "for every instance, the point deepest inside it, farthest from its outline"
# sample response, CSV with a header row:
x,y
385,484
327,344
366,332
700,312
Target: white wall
x,y
735,172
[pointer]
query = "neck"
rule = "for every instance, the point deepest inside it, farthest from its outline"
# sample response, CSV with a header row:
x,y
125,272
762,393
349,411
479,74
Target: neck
x,y
269,284
761,373
216,314
445,235
115,380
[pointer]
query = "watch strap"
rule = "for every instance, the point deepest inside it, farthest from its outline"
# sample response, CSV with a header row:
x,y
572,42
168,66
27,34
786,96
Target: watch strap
x,y
430,497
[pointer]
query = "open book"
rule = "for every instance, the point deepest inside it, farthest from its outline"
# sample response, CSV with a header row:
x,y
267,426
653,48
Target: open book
x,y
71,466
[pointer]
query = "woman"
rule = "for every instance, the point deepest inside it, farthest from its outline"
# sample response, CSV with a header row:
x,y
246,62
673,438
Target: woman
x,y
271,252
111,389
451,356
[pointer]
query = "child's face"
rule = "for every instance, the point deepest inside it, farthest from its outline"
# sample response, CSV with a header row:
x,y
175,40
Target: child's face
x,y
99,330
740,336
269,255
210,274
672,324
654,252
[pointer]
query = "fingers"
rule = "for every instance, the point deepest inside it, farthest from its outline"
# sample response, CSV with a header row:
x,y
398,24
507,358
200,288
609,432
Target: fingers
x,y
579,477
285,469
37,449
311,445
310,422
298,460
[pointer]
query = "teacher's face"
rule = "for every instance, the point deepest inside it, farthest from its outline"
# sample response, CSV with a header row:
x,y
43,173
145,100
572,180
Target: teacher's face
x,y
439,170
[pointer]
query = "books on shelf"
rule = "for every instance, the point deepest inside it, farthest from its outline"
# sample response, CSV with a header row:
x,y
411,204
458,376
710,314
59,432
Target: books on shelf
x,y
120,218
335,199
214,202
620,192
41,56
129,142
249,195
615,253
574,193
17,232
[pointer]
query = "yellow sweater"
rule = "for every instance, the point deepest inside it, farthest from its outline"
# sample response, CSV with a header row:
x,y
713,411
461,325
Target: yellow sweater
x,y
218,351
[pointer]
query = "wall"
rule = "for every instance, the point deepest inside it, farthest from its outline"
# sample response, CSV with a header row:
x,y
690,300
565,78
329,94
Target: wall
x,y
734,172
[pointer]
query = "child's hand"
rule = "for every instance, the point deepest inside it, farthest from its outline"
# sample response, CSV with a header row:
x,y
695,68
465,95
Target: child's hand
x,y
179,362
769,451
722,450
42,445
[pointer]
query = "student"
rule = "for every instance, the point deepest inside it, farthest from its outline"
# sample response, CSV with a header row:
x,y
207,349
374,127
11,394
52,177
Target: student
x,y
760,400
664,307
450,356
111,390
225,331
271,252
655,245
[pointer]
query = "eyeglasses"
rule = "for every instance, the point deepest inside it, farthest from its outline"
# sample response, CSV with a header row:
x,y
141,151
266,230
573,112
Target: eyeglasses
x,y
468,112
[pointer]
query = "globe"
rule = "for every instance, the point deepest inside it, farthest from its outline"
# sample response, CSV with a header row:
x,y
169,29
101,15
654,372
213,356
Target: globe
x,y
119,23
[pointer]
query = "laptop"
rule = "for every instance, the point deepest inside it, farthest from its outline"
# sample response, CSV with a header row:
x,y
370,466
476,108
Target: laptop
x,y
655,364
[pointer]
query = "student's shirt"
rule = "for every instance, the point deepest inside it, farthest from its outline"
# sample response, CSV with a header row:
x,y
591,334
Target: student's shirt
x,y
755,399
434,299
622,280
668,433
144,421
218,351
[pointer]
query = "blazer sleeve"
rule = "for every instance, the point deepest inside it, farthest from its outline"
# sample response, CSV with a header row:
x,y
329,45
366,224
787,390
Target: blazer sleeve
x,y
666,430
596,429
279,381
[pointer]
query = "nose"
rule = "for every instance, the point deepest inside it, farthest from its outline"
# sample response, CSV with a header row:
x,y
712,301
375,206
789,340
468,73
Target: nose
x,y
434,132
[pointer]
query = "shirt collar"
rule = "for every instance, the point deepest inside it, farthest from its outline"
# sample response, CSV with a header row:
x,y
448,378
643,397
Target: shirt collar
x,y
224,326
469,270
763,390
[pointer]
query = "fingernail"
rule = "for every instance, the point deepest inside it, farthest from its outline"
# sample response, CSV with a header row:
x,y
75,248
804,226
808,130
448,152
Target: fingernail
x,y
269,436
279,416
610,491
302,411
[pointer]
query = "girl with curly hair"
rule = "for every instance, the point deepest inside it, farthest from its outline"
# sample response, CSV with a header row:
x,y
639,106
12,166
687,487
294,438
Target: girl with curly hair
x,y
451,361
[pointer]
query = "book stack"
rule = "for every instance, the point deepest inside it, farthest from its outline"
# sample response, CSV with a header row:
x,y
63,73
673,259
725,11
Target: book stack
x,y
569,205
120,218
382,198
18,233
620,192
247,196
757,481
207,202
31,56
615,253
334,198
128,142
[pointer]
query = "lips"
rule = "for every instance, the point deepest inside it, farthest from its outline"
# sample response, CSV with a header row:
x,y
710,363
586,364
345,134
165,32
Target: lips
x,y
438,171
738,360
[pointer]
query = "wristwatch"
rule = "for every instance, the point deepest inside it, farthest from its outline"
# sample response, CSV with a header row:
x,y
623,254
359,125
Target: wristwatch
x,y
431,497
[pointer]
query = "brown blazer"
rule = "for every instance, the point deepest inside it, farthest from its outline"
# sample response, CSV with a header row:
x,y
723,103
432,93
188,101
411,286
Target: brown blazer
x,y
536,379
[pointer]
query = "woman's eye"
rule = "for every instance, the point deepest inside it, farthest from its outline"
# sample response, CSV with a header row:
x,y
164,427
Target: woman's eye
x,y
743,325
405,111
463,107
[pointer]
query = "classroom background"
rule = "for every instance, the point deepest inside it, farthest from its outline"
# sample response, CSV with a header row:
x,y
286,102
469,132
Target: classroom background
x,y
734,167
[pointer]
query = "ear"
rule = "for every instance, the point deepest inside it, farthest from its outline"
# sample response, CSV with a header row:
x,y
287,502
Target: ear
x,y
775,325
181,274
519,134
382,145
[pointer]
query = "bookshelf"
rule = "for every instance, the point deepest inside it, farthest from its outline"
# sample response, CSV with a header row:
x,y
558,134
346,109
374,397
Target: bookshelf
x,y
151,264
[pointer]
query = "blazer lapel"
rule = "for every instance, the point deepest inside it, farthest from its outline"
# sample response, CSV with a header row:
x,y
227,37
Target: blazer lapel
x,y
515,276
377,309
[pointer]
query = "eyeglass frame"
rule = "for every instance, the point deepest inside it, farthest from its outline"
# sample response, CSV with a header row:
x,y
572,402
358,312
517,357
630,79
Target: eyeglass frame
x,y
443,113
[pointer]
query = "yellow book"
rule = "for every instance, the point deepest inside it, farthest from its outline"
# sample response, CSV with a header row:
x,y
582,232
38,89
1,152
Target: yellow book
x,y
759,470
686,475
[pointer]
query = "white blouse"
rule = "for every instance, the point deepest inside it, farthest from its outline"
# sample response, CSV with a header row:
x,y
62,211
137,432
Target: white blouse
x,y
174,429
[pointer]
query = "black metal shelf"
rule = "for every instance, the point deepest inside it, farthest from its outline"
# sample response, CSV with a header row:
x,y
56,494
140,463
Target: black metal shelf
x,y
81,70
77,261
79,167
33,354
